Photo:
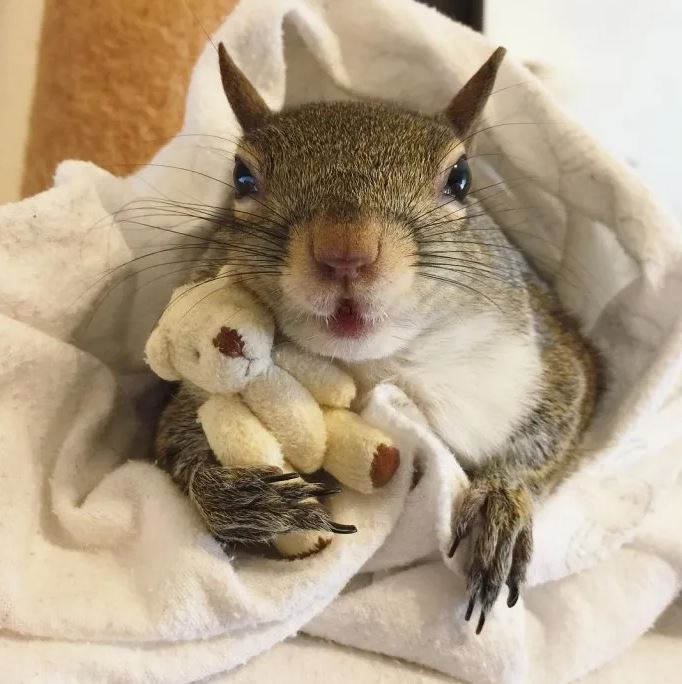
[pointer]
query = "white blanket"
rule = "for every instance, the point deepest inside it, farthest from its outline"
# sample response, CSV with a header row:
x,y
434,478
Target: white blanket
x,y
106,573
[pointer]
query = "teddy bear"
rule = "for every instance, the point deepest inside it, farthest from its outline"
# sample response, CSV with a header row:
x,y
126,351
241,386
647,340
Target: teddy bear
x,y
266,404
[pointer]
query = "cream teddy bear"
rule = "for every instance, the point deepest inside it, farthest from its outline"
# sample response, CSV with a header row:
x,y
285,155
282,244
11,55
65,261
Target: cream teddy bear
x,y
280,407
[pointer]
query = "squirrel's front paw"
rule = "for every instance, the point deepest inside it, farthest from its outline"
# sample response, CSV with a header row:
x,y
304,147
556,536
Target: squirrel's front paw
x,y
254,505
502,548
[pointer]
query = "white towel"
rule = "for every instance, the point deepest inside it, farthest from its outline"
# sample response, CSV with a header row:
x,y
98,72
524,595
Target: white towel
x,y
106,573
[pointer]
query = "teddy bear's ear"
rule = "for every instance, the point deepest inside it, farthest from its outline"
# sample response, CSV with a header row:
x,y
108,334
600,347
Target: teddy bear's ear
x,y
157,355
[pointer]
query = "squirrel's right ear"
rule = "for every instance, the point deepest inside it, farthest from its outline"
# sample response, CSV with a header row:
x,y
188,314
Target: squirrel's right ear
x,y
247,105
466,106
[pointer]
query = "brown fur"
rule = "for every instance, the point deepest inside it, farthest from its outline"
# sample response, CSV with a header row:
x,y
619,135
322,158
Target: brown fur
x,y
247,104
466,107
333,239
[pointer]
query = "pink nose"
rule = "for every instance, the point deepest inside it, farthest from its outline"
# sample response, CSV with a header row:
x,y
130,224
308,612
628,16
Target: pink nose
x,y
349,266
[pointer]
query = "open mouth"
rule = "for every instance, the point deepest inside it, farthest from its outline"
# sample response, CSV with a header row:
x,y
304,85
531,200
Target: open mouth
x,y
347,321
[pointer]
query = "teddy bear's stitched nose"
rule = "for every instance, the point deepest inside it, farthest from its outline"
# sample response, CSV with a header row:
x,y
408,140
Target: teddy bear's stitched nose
x,y
229,342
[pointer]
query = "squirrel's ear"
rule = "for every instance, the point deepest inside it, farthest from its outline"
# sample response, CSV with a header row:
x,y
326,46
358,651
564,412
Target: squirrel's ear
x,y
466,106
247,105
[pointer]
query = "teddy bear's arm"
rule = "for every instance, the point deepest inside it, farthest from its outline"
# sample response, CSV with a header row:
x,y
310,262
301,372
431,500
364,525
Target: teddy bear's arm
x,y
236,436
358,455
291,414
329,384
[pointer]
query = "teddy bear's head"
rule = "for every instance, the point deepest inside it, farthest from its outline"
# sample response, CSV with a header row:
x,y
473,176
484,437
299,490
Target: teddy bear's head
x,y
214,337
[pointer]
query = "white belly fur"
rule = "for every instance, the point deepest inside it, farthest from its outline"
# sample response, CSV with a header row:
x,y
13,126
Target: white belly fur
x,y
474,380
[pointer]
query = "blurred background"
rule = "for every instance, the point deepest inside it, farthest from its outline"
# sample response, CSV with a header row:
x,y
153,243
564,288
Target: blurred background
x,y
19,39
71,81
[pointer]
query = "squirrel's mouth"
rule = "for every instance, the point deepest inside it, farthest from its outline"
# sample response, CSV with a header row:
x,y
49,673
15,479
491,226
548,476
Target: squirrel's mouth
x,y
347,321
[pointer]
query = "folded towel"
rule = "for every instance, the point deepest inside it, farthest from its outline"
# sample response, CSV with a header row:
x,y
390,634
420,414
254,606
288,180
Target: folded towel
x,y
106,572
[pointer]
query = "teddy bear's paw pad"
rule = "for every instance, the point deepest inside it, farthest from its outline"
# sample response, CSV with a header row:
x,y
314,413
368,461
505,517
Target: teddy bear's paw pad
x,y
385,463
298,545
229,342
322,543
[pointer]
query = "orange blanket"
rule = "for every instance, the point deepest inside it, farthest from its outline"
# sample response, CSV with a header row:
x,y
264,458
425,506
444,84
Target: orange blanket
x,y
111,80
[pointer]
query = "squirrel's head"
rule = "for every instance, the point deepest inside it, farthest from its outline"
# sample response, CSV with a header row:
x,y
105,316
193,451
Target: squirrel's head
x,y
346,215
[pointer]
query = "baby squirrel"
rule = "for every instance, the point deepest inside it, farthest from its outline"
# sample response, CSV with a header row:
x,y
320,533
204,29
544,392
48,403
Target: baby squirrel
x,y
352,222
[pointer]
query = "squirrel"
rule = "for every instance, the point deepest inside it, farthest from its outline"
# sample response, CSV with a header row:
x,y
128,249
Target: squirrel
x,y
353,223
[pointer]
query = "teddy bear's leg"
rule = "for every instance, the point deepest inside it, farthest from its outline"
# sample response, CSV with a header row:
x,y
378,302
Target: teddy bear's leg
x,y
292,415
236,436
303,543
329,384
358,455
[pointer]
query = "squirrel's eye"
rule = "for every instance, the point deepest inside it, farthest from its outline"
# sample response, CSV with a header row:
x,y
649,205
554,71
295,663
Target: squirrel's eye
x,y
459,179
244,182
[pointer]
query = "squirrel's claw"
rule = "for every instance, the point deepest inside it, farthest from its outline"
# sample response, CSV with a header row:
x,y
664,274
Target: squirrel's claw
x,y
466,516
470,608
481,622
455,543
503,546
298,493
338,528
470,611
317,490
523,549
280,477
330,491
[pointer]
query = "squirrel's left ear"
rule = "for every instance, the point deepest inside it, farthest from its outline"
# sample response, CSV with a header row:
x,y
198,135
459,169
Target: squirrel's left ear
x,y
466,106
247,105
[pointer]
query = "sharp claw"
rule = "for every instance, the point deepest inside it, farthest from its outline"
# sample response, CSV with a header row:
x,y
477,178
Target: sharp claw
x,y
454,546
328,492
281,477
481,622
513,595
470,608
338,528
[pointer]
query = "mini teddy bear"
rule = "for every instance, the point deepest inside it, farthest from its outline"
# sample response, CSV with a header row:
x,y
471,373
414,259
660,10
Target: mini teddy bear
x,y
281,407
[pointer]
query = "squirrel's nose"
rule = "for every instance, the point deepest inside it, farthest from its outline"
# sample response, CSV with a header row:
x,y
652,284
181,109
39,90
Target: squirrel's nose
x,y
349,265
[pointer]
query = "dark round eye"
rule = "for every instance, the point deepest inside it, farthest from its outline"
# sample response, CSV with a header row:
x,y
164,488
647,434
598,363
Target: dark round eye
x,y
244,182
459,179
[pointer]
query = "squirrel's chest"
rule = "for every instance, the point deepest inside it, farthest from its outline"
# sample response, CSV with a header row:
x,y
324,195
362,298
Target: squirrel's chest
x,y
474,381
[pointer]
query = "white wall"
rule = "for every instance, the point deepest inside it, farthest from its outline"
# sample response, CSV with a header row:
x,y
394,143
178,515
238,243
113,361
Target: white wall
x,y
19,35
615,64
